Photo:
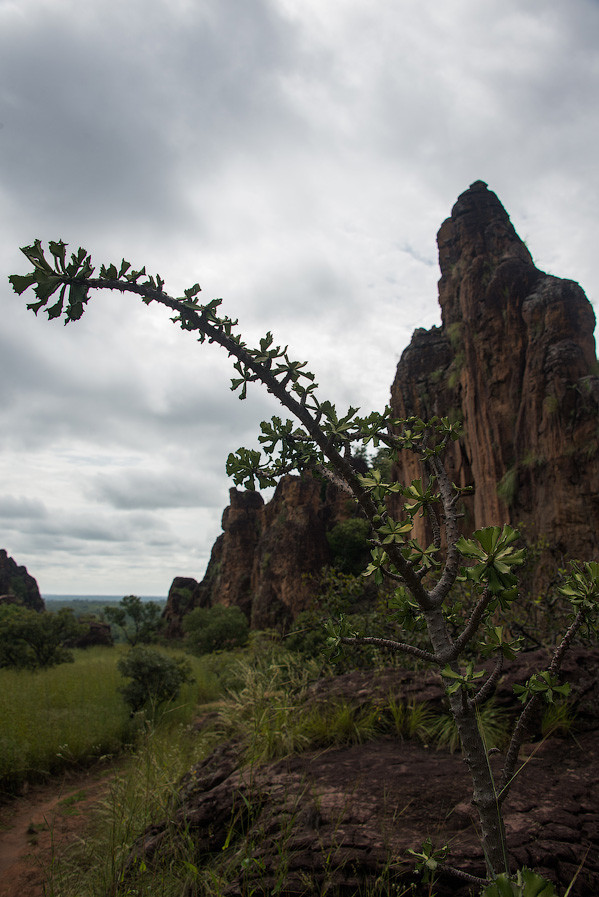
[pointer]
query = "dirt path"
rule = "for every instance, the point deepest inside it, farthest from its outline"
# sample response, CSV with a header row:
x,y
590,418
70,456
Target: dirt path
x,y
36,828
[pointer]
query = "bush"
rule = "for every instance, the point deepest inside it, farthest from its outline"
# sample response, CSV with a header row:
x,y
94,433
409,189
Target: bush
x,y
155,678
348,542
30,639
215,628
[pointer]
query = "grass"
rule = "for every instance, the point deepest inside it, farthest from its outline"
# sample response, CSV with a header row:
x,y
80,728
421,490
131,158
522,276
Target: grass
x,y
74,713
266,702
142,793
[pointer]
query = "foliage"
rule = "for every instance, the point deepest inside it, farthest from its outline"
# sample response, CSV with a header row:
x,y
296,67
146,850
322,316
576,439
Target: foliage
x,y
348,541
142,789
341,596
215,628
525,884
155,678
423,575
138,620
32,639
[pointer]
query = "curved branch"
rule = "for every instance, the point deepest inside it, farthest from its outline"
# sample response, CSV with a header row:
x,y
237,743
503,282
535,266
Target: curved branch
x,y
488,686
472,625
391,645
452,562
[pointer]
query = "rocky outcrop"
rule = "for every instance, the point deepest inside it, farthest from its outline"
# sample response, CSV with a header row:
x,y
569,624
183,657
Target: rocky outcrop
x,y
93,634
17,586
514,359
266,554
341,819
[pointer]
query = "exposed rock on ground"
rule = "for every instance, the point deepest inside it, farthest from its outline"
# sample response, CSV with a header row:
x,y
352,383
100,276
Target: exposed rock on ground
x,y
341,817
17,586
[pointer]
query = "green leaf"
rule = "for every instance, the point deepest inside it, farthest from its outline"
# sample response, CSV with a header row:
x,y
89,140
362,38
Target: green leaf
x,y
58,250
22,282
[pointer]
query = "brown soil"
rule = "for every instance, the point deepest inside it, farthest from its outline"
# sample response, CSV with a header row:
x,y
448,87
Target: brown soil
x,y
37,828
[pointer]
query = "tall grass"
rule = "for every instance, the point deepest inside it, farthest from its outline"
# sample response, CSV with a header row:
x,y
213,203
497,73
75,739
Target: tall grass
x,y
141,792
73,713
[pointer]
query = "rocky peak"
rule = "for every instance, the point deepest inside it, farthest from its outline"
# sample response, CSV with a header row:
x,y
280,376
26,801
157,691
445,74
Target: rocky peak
x,y
515,360
266,554
17,586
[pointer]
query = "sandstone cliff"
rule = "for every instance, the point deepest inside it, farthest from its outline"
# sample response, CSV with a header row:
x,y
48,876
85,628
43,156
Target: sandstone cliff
x,y
515,360
265,554
17,586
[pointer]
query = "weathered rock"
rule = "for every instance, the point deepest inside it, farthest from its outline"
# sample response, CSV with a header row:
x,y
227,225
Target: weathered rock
x,y
515,360
263,559
335,819
94,632
178,603
17,586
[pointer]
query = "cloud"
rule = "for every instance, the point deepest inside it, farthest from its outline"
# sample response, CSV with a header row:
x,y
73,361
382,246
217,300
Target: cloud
x,y
295,159
153,489
21,508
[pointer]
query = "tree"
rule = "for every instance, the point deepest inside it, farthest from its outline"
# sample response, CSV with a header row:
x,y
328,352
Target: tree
x,y
155,678
423,575
32,639
138,620
215,628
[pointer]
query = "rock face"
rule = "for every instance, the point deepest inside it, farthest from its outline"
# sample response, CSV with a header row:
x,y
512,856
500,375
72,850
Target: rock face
x,y
17,586
265,553
515,360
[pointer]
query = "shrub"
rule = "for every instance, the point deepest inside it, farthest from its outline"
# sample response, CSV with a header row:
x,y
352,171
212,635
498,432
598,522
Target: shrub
x,y
348,542
155,678
215,628
30,639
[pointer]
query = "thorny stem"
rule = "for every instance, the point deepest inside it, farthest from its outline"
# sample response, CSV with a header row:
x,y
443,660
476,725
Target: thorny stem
x,y
524,720
488,687
472,624
399,647
465,876
452,560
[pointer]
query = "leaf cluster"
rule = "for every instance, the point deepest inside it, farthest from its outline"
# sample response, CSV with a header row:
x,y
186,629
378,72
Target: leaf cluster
x,y
33,640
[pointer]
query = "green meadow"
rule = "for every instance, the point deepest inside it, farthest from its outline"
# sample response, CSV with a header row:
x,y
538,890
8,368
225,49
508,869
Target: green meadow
x,y
74,713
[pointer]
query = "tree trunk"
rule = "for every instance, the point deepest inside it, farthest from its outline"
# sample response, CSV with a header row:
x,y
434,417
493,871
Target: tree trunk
x,y
474,753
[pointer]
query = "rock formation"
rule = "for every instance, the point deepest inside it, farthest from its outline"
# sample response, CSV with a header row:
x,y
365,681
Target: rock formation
x,y
17,586
265,554
515,360
329,821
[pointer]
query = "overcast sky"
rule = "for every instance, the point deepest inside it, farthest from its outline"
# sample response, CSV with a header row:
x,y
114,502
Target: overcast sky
x,y
296,157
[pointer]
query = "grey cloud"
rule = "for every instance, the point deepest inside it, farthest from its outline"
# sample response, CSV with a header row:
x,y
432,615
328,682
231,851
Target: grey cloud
x,y
20,508
154,490
296,159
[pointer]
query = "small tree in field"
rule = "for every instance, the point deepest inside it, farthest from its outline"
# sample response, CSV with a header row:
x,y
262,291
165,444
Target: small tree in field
x,y
423,575
138,620
35,640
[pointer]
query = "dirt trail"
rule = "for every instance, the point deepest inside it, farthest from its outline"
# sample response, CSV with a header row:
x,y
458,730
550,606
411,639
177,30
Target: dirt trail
x,y
36,828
